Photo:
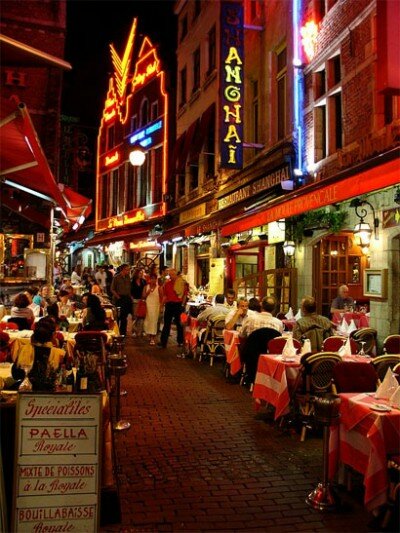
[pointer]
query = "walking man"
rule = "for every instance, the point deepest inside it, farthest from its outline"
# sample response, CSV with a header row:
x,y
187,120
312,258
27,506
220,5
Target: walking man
x,y
174,291
121,291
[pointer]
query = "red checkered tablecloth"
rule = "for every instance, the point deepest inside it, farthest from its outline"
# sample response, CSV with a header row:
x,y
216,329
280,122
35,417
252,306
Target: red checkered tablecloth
x,y
232,343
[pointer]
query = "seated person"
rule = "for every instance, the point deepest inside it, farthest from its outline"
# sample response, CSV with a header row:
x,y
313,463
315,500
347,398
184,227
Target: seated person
x,y
312,326
94,316
255,305
41,356
230,299
52,321
21,310
5,350
235,316
65,306
31,292
265,319
218,309
342,302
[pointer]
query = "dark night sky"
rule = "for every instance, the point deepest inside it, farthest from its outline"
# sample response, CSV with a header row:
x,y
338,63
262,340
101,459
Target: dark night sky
x,y
91,26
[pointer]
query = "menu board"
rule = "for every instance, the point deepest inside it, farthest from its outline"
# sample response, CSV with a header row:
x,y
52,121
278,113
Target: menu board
x,y
56,486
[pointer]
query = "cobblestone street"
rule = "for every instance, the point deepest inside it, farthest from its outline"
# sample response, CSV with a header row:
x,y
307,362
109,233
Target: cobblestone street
x,y
199,458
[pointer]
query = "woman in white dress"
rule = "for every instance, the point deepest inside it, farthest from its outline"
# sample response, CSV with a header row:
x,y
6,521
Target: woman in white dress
x,y
152,293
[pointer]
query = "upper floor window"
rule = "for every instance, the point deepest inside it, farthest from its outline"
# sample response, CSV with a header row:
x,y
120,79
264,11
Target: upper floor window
x,y
184,27
281,101
197,9
134,123
182,91
144,112
196,69
212,49
110,137
154,110
328,129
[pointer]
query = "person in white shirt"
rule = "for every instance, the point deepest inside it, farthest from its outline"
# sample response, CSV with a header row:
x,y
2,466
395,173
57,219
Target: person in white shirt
x,y
75,277
265,319
236,316
101,277
215,310
230,299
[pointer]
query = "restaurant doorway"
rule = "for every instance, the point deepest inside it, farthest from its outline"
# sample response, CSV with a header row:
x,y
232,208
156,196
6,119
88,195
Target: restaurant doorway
x,y
337,261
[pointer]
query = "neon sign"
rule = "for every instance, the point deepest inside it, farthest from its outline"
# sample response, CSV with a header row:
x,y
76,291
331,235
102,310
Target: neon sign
x,y
232,85
122,65
143,136
147,66
309,34
111,159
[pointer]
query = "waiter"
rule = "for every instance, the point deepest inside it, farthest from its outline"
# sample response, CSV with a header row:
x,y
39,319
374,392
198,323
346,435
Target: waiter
x,y
174,292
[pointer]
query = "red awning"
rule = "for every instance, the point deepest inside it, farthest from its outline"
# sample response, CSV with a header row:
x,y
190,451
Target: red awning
x,y
22,162
119,235
318,195
77,205
31,214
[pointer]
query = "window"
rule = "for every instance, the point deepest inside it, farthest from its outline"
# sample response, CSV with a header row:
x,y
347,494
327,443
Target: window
x,y
134,123
184,27
194,174
212,49
104,195
115,192
144,112
154,110
196,69
183,80
158,174
131,187
328,129
281,62
255,112
110,137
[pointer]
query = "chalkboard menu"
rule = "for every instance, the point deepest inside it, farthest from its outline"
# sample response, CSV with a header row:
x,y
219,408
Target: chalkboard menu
x,y
58,445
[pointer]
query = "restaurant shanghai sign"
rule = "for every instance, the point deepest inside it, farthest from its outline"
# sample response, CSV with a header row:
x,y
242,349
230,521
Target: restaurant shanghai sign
x,y
232,84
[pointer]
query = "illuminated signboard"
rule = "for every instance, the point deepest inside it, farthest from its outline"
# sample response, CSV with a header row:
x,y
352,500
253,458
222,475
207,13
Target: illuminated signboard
x,y
232,84
144,135
147,66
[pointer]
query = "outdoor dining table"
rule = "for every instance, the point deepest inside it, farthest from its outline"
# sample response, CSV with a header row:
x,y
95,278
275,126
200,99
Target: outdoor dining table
x,y
277,379
232,344
191,334
361,320
363,440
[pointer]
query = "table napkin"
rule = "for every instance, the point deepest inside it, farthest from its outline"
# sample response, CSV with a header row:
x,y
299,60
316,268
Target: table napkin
x,y
306,348
345,349
352,327
298,315
343,327
388,386
289,350
395,398
290,315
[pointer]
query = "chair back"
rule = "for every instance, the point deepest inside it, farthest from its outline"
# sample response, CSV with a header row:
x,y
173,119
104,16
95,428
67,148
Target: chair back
x,y
367,335
8,325
334,343
277,345
21,322
316,334
383,362
318,369
251,349
93,342
392,344
354,377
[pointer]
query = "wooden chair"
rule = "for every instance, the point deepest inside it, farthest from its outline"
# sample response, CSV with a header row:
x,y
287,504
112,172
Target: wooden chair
x,y
277,345
354,377
334,343
213,339
318,379
367,335
383,362
391,344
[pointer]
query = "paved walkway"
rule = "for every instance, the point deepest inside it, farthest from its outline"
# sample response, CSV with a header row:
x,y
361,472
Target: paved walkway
x,y
198,458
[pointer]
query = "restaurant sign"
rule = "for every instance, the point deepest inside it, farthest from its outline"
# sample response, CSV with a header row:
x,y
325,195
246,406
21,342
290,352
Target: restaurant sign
x,y
257,186
57,471
191,214
232,85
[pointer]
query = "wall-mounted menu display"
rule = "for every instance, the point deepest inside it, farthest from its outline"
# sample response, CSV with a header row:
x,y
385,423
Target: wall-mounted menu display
x,y
58,445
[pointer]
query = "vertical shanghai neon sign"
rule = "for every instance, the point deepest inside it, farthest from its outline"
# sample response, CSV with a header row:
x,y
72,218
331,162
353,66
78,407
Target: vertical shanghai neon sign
x,y
232,84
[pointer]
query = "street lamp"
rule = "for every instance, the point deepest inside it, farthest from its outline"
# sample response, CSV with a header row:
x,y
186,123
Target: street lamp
x,y
137,156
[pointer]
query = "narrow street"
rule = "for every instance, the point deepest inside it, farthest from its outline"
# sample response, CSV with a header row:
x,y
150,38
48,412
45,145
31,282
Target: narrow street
x,y
199,458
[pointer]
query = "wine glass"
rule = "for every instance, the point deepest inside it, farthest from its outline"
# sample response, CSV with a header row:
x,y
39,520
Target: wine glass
x,y
362,351
26,384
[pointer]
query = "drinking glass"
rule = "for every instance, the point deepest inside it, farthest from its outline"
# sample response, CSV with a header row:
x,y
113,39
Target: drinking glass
x,y
26,385
362,352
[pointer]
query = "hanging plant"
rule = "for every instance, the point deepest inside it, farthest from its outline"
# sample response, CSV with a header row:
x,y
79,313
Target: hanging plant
x,y
317,220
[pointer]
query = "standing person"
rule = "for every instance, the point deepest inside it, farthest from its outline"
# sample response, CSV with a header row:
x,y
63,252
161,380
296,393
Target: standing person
x,y
121,291
174,290
109,278
101,277
153,294
75,277
137,285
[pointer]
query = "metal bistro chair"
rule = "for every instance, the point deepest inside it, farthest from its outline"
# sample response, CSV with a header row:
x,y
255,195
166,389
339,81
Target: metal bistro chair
x,y
391,344
318,379
213,339
383,362
367,335
94,342
277,345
